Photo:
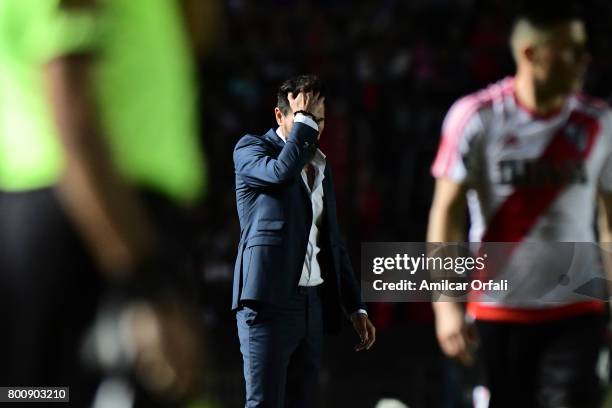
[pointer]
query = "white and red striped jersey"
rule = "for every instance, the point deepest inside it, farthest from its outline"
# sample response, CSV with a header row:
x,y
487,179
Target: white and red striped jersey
x,y
530,178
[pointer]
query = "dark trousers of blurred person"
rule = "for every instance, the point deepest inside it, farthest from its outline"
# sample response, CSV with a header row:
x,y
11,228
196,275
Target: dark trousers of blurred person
x,y
547,365
50,291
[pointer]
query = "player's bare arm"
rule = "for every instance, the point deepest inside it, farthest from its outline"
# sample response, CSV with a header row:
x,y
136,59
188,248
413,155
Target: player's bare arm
x,y
447,223
105,211
604,224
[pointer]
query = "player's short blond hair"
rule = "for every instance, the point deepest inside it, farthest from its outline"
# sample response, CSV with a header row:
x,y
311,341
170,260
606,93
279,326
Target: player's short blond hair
x,y
525,33
536,20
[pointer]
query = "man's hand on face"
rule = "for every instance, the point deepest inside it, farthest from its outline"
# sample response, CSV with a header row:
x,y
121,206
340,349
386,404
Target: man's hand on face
x,y
306,101
319,110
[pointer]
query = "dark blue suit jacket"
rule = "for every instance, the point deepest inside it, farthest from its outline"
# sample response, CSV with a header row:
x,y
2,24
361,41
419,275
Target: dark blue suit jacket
x,y
275,214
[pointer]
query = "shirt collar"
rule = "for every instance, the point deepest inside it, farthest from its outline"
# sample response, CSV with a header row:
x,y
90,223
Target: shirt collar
x,y
279,132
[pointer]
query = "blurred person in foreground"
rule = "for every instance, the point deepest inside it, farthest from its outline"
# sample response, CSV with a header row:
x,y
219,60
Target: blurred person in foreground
x,y
99,160
293,276
530,154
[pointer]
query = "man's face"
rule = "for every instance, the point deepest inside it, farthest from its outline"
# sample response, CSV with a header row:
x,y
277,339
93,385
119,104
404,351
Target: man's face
x,y
285,122
559,63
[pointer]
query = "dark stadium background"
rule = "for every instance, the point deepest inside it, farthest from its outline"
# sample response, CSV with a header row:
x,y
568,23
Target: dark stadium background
x,y
391,69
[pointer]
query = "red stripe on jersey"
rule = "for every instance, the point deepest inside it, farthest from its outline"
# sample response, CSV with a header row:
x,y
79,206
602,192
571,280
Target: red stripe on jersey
x,y
516,216
482,311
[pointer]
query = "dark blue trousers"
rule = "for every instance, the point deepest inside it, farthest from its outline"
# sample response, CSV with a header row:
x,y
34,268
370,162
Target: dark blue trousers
x,y
281,350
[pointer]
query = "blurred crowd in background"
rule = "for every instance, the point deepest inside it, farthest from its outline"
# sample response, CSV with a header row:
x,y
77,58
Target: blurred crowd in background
x,y
392,69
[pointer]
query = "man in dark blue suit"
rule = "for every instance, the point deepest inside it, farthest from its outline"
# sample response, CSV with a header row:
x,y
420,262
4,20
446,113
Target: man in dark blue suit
x,y
293,277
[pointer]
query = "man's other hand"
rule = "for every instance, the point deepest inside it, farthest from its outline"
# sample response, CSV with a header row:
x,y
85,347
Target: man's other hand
x,y
365,329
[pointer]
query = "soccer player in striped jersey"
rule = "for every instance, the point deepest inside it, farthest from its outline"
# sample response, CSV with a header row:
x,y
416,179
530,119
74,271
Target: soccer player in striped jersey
x,y
529,155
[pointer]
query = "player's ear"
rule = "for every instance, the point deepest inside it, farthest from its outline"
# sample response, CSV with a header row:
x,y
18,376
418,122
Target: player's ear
x,y
529,53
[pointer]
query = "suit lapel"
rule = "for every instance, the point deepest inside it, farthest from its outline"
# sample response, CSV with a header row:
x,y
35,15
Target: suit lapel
x,y
326,193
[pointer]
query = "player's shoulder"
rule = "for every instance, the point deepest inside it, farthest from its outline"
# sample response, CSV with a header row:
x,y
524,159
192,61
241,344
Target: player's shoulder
x,y
482,99
597,109
592,101
593,105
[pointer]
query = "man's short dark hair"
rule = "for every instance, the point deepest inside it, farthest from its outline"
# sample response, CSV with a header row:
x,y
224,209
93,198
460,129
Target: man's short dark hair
x,y
296,84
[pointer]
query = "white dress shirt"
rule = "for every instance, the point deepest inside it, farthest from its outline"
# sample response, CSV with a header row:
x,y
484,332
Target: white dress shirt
x,y
311,271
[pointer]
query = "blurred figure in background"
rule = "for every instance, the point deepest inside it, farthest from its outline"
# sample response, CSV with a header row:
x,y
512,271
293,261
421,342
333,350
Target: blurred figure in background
x,y
508,149
99,160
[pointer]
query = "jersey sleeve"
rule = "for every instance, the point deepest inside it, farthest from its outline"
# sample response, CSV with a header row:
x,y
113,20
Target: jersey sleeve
x,y
605,177
458,154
